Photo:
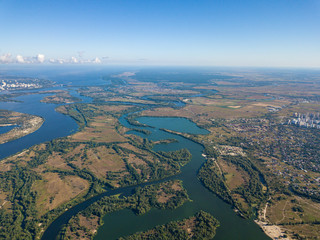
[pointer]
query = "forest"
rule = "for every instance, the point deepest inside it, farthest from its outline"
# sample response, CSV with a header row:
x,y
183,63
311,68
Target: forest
x,y
200,226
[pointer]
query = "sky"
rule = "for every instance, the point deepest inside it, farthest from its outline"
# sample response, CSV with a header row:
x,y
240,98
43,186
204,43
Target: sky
x,y
270,33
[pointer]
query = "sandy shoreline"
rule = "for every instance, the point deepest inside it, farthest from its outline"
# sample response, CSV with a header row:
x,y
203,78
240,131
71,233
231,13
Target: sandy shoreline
x,y
29,126
273,231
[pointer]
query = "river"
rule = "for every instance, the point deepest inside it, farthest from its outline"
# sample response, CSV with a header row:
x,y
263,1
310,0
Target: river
x,y
124,222
55,125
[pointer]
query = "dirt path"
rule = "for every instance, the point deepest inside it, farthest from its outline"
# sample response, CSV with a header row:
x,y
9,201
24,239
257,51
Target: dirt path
x,y
316,206
265,212
3,204
273,231
283,213
215,161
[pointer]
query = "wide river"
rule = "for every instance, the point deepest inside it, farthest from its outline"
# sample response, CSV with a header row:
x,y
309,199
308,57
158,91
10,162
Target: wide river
x,y
124,222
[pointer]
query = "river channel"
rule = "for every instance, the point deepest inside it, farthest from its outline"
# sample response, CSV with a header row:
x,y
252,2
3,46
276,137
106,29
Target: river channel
x,y
124,222
55,124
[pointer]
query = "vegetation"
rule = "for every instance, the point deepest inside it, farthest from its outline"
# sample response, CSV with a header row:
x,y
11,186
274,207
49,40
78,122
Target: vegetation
x,y
182,156
60,97
297,216
19,222
132,120
245,118
209,176
245,196
144,131
200,226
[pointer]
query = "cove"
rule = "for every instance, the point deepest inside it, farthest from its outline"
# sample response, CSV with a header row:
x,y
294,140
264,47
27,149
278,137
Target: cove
x,y
55,124
125,222
6,129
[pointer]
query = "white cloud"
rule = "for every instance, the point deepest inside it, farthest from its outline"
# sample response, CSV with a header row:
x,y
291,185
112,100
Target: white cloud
x,y
6,58
74,60
96,60
20,59
61,61
40,58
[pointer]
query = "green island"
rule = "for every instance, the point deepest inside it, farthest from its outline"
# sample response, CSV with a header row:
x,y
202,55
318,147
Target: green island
x,y
60,97
200,226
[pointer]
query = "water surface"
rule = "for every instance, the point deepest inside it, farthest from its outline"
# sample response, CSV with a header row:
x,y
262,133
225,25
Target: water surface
x,y
5,129
125,222
55,124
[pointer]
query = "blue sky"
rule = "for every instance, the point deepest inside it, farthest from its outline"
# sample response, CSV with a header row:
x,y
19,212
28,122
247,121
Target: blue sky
x,y
165,32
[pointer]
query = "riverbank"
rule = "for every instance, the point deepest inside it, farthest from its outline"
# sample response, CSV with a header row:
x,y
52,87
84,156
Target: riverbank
x,y
273,231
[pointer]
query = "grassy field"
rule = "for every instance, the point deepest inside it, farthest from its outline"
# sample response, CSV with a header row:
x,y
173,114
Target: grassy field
x,y
52,190
202,110
234,176
100,129
295,214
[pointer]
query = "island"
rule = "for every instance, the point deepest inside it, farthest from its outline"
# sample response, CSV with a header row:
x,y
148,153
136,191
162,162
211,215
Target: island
x,y
60,97
20,125
200,226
